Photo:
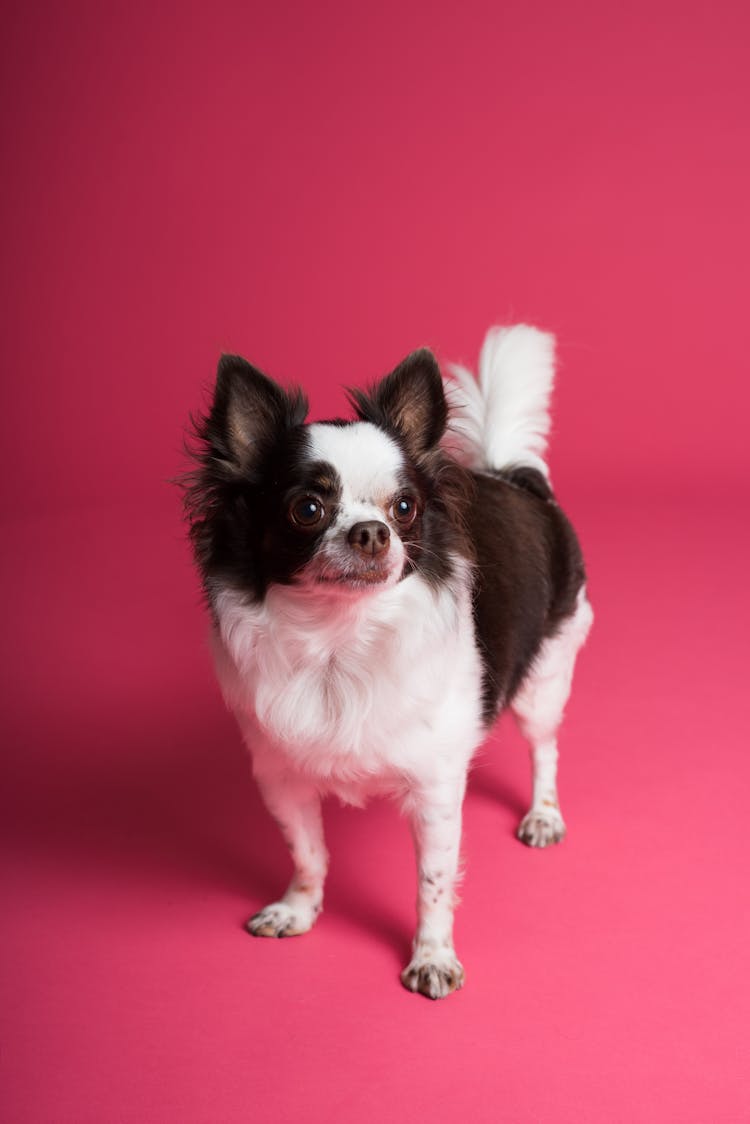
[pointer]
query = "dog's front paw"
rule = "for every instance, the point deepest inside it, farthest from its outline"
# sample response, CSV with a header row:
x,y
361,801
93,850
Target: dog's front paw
x,y
281,920
541,828
434,974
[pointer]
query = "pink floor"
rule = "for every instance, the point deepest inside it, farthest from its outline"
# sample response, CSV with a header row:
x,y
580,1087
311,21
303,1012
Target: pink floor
x,y
607,979
323,188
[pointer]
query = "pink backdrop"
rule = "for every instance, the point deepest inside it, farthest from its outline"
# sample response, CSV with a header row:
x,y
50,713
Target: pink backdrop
x,y
323,188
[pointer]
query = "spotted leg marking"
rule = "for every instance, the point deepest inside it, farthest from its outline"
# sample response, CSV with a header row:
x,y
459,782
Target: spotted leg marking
x,y
434,969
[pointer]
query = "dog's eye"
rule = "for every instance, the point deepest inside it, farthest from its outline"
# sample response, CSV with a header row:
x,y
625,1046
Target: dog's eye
x,y
404,510
306,512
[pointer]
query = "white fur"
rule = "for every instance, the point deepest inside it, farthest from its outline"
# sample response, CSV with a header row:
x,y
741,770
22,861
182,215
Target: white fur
x,y
347,695
354,697
366,459
503,420
538,707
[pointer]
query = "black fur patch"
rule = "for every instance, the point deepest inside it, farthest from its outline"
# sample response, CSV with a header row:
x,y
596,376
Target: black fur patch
x,y
529,572
523,476
248,452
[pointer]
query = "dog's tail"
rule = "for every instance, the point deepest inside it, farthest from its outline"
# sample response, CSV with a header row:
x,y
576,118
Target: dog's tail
x,y
503,420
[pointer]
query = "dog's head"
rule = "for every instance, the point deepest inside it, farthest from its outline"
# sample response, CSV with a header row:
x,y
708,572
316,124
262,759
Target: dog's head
x,y
335,507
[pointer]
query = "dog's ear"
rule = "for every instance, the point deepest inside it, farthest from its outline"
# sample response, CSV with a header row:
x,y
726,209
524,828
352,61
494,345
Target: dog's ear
x,y
410,401
249,411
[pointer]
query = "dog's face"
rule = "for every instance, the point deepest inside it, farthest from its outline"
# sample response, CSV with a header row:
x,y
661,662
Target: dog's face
x,y
339,508
352,506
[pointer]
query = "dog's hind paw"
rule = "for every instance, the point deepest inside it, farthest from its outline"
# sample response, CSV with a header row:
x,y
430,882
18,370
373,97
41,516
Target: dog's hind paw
x,y
541,828
434,975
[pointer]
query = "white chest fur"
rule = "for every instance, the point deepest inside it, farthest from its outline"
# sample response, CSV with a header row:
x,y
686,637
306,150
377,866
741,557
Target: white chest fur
x,y
356,690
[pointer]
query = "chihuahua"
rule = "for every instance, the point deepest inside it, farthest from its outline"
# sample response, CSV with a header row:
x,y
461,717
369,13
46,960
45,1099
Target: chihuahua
x,y
380,589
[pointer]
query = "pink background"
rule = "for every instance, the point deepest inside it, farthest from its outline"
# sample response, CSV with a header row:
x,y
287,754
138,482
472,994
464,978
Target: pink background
x,y
323,188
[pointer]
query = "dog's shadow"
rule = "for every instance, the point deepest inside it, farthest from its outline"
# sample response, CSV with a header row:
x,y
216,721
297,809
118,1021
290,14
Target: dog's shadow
x,y
490,779
167,800
488,785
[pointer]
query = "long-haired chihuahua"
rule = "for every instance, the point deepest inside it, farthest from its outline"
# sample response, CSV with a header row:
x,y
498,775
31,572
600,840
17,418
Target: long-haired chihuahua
x,y
380,589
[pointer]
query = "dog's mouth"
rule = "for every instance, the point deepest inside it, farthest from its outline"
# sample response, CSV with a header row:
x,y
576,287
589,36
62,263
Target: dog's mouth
x,y
356,579
351,571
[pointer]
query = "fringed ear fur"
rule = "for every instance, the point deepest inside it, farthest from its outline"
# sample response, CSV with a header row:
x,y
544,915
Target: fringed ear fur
x,y
410,402
248,412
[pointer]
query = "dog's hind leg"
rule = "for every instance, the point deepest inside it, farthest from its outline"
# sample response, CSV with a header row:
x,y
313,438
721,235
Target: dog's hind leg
x,y
538,707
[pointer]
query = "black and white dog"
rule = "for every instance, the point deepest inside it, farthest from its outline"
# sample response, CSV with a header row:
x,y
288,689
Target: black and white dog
x,y
380,589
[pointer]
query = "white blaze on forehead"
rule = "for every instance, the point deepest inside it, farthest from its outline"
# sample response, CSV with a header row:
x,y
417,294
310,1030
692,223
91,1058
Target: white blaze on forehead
x,y
369,463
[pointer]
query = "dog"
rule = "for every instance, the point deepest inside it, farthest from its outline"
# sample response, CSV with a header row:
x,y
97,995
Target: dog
x,y
379,590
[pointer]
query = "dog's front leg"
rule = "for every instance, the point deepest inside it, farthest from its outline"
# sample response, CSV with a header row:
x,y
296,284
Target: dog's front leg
x,y
434,969
295,805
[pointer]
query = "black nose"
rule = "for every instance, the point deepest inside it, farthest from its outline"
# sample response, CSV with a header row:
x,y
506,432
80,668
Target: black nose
x,y
370,538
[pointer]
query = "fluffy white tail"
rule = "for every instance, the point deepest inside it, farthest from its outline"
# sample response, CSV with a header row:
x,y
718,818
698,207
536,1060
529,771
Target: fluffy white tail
x,y
503,419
